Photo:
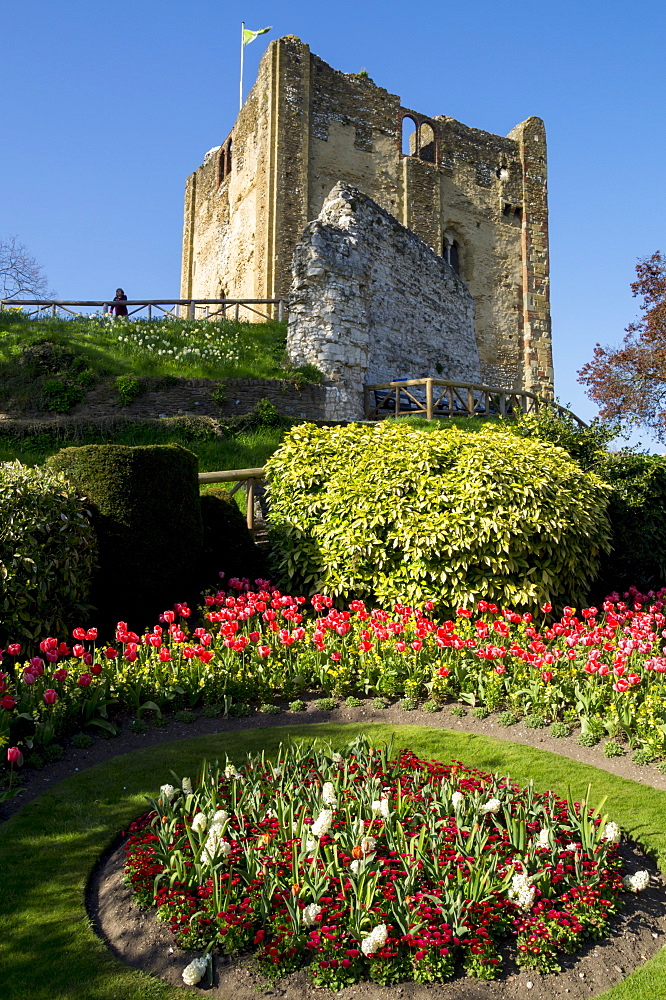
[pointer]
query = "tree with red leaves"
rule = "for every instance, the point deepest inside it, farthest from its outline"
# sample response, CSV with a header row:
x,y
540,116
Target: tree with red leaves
x,y
629,382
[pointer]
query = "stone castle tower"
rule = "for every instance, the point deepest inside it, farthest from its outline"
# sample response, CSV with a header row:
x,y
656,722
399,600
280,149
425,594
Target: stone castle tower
x,y
477,200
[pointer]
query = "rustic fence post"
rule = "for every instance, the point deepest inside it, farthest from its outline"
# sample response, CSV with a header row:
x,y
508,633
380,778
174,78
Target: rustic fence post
x,y
429,399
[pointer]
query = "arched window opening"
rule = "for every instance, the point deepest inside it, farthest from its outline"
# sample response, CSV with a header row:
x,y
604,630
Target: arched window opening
x,y
451,253
223,161
410,137
427,150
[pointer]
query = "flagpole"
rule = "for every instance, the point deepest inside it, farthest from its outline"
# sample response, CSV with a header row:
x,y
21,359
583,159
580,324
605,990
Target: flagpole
x,y
240,104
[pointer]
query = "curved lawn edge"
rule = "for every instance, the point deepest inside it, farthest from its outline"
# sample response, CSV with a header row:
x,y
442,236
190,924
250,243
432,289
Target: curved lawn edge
x,y
48,850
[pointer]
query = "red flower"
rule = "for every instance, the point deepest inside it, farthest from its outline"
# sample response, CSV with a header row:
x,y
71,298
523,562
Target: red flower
x,y
14,648
443,671
547,675
110,653
28,678
546,608
91,633
14,756
79,633
7,702
96,669
165,655
50,696
84,680
264,651
60,675
78,650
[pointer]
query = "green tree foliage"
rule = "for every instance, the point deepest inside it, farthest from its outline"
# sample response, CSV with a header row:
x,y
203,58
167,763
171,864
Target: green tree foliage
x,y
393,513
47,555
585,444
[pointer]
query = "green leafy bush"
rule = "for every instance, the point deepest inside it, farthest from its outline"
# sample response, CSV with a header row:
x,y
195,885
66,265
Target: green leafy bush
x,y
637,514
145,509
392,513
586,445
613,749
47,555
129,387
560,730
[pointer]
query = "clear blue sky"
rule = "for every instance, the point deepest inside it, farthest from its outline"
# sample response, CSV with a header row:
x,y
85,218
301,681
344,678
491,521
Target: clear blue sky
x,y
108,107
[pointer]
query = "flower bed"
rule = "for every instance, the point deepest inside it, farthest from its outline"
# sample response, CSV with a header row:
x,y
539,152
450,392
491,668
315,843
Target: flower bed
x,y
362,866
604,668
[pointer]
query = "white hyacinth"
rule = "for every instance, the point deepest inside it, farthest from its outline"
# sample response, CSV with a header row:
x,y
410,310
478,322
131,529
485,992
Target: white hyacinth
x,y
491,806
195,971
186,785
310,843
522,891
167,792
368,844
375,940
231,772
355,866
328,794
310,914
457,799
544,837
215,845
336,758
612,833
573,846
219,818
322,824
637,882
380,807
199,823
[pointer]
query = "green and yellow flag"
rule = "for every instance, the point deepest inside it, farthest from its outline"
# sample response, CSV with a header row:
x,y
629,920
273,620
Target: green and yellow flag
x,y
249,36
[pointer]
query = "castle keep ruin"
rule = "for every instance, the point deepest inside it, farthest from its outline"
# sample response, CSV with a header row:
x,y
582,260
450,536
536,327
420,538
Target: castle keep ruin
x,y
477,200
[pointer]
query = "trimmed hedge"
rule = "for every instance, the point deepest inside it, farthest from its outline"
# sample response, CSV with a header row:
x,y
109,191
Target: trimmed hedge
x,y
393,513
637,513
145,508
47,555
228,546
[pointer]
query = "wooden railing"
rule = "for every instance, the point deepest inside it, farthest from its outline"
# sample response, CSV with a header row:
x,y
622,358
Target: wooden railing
x,y
435,397
166,308
247,478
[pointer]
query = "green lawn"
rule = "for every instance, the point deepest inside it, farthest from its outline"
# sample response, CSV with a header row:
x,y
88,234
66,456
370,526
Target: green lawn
x,y
48,849
241,449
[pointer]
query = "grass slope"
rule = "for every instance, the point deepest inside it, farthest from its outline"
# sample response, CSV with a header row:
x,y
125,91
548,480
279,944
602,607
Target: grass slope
x,y
49,848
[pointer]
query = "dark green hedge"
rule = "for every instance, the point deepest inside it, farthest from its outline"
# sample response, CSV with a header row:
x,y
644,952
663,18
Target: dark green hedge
x,y
228,546
146,513
637,514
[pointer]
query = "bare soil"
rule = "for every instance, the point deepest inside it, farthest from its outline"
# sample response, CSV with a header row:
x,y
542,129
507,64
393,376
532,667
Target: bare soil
x,y
139,939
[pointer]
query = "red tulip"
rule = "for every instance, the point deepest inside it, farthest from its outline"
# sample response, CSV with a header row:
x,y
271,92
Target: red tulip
x,y
110,653
50,696
96,669
7,702
78,650
165,655
79,633
264,651
14,756
37,666
60,675
14,648
84,680
91,633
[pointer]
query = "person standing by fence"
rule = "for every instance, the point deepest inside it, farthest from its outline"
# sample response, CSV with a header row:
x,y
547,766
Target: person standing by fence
x,y
119,310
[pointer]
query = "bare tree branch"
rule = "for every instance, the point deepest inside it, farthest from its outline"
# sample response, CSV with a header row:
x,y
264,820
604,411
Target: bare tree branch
x,y
20,274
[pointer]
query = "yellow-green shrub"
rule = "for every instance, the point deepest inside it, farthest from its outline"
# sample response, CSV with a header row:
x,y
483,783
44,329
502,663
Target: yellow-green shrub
x,y
390,512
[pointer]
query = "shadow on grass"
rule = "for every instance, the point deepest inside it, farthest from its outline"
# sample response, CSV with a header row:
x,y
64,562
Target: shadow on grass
x,y
48,850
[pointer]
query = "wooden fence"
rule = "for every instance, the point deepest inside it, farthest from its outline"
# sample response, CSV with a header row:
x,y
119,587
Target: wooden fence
x,y
435,397
165,308
247,478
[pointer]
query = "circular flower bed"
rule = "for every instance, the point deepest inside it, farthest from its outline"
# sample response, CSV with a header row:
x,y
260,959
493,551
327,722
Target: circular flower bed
x,y
363,866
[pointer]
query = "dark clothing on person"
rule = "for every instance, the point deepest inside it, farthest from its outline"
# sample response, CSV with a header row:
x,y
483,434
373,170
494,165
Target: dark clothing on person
x,y
119,310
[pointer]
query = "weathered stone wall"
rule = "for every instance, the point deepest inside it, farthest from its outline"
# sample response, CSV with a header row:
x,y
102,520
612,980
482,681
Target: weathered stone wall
x,y
370,302
306,126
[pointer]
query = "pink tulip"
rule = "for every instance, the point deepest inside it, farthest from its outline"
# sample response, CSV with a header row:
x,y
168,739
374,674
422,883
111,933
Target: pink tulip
x,y
50,696
14,756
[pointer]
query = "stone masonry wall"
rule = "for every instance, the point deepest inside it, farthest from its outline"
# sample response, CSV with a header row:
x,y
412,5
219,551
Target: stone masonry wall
x,y
370,302
304,127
